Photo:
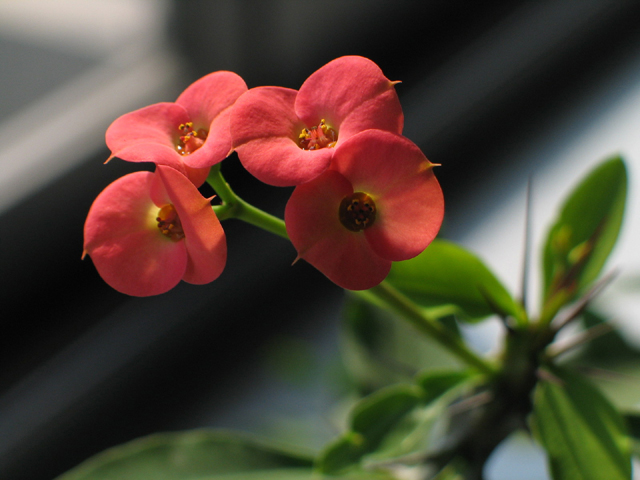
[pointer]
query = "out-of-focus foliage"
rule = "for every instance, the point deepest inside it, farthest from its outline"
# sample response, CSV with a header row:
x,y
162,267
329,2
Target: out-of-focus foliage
x,y
583,434
201,455
395,422
446,274
379,351
581,239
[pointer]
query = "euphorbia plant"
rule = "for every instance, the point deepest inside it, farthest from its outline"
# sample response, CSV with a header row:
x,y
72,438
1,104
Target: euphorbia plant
x,y
365,211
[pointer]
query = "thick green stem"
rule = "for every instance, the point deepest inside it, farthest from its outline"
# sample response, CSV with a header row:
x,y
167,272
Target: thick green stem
x,y
234,207
258,218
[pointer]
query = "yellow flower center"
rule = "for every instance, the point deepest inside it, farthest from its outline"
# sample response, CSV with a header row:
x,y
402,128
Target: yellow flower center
x,y
357,211
320,136
169,223
190,140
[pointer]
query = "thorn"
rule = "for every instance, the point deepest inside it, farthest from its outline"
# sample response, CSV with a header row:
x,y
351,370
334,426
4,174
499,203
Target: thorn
x,y
547,376
296,260
578,308
558,348
526,260
469,403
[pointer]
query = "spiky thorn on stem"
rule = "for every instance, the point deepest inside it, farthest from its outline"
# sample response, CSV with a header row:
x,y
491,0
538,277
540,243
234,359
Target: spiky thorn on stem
x,y
526,257
556,349
568,316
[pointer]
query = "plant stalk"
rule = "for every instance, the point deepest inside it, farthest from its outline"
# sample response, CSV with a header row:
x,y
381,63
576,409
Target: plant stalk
x,y
234,207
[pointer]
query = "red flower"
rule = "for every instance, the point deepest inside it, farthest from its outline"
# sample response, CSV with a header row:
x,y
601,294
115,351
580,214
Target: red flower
x,y
378,202
147,231
286,137
189,135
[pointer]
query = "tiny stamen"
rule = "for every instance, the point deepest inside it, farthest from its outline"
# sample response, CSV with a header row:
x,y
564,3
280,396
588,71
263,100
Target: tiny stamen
x,y
190,140
357,211
320,136
169,223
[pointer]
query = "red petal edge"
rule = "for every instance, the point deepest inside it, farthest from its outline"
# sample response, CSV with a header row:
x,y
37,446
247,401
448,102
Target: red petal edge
x,y
352,94
204,237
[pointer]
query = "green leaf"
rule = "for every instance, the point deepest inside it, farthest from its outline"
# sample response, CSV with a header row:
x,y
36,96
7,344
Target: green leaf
x,y
197,454
395,422
446,274
632,420
583,434
436,383
371,419
584,234
449,473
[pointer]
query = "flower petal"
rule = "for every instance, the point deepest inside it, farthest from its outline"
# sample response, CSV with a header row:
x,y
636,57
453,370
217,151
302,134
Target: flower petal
x,y
278,161
123,240
163,155
204,237
265,130
345,257
209,101
381,112
352,94
157,124
216,147
409,200
210,95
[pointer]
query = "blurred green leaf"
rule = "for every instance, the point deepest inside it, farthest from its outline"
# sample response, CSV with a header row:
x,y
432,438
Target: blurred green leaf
x,y
374,415
379,351
584,234
446,274
197,454
583,434
425,427
436,383
371,419
449,473
394,422
632,419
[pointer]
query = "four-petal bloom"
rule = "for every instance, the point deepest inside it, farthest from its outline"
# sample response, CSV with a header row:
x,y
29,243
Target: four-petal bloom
x,y
147,231
286,137
378,202
189,135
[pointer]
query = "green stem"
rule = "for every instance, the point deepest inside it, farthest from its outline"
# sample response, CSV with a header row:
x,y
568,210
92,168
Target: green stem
x,y
234,207
405,307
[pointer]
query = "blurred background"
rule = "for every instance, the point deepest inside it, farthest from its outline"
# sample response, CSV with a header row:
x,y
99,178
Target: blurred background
x,y
495,92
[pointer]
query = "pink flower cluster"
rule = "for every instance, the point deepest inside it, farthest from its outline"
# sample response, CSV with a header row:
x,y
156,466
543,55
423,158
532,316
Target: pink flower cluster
x,y
364,197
